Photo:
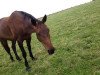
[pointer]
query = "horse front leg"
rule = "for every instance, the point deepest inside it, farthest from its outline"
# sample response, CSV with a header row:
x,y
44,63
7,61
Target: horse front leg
x,y
6,47
28,41
20,43
14,50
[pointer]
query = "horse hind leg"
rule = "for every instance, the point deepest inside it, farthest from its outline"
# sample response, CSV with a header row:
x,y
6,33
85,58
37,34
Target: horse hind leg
x,y
7,49
14,50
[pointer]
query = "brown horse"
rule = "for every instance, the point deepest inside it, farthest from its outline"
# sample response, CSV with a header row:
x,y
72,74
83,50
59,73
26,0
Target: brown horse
x,y
18,27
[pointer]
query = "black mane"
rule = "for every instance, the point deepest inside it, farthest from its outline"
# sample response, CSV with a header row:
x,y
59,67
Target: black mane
x,y
27,15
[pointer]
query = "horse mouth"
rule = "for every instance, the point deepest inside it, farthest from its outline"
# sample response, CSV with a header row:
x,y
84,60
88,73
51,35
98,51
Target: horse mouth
x,y
51,51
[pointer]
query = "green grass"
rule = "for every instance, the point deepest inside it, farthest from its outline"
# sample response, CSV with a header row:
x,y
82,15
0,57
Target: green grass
x,y
75,33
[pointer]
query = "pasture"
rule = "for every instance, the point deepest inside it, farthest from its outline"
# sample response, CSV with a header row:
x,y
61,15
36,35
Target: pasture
x,y
75,33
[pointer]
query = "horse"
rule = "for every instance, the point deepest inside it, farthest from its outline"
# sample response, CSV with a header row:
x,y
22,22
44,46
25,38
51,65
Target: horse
x,y
18,27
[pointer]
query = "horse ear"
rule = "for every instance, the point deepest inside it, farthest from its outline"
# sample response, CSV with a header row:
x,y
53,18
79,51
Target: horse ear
x,y
44,19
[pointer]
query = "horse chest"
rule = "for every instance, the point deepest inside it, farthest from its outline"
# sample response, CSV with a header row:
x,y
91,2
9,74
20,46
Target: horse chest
x,y
26,35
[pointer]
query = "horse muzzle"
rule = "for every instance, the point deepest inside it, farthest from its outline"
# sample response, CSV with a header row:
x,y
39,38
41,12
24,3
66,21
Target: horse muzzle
x,y
51,51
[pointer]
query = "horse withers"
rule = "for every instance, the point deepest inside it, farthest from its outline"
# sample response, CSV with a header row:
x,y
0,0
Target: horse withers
x,y
18,27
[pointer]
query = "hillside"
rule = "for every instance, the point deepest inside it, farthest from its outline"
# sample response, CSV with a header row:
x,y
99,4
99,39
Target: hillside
x,y
75,33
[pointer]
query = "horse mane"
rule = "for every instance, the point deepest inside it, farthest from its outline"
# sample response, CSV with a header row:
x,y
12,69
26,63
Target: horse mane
x,y
27,15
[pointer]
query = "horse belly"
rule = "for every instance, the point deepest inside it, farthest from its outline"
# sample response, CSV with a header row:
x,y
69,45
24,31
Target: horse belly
x,y
6,37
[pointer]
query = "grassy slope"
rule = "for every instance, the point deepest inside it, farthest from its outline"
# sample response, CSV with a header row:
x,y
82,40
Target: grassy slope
x,y
75,34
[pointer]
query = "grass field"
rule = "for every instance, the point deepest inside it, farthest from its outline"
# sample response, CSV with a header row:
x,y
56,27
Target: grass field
x,y
75,33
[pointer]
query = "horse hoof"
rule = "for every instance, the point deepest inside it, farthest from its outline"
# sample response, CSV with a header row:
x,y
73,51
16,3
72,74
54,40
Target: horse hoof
x,y
34,58
13,60
28,68
19,59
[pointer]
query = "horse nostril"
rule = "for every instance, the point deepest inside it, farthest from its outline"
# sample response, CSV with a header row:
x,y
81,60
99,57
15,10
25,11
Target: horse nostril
x,y
51,51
